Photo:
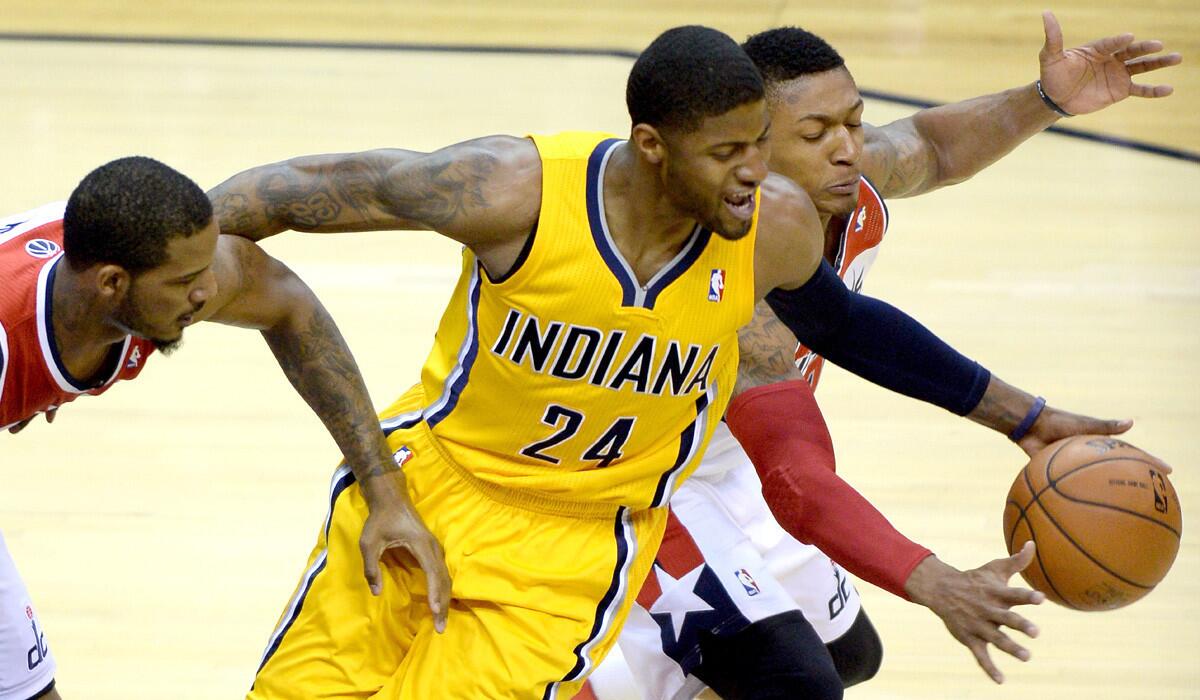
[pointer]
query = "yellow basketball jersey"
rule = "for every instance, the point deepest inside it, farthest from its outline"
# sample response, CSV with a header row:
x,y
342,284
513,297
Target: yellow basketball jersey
x,y
568,380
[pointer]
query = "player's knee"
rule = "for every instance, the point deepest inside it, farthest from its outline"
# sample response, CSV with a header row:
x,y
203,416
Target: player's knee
x,y
778,658
812,681
858,653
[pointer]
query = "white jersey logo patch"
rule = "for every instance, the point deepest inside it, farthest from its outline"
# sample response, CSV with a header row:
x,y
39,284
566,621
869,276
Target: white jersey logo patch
x,y
862,219
748,582
716,285
42,248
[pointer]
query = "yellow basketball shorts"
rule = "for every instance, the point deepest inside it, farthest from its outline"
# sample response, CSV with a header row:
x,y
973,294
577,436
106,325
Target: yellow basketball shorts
x,y
538,597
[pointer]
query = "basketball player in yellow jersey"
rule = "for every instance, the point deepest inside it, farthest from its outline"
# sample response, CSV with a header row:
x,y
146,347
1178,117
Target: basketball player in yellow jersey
x,y
581,366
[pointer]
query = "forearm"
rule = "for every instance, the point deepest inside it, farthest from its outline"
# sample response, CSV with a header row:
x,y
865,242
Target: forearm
x,y
1002,407
321,193
968,136
784,434
879,343
319,365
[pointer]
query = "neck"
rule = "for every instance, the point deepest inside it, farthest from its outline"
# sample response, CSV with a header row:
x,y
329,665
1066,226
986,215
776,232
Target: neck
x,y
832,225
81,329
646,226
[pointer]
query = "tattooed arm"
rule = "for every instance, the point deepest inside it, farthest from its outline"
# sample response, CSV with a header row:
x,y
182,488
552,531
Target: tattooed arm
x,y
309,193
484,193
767,351
257,291
1003,406
946,145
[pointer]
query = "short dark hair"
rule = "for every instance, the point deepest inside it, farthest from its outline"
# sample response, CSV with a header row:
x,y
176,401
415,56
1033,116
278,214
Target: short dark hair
x,y
125,212
688,74
786,53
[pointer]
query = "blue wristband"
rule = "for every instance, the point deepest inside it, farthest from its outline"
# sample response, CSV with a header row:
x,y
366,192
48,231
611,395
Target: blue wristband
x,y
1027,422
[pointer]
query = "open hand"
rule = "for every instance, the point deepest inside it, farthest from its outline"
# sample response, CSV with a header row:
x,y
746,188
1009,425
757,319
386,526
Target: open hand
x,y
1100,73
975,605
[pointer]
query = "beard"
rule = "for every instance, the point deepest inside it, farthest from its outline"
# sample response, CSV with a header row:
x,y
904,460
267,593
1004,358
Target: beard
x,y
130,320
167,347
734,235
695,205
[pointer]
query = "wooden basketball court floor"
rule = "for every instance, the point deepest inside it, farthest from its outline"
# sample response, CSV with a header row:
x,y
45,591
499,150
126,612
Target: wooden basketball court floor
x,y
161,528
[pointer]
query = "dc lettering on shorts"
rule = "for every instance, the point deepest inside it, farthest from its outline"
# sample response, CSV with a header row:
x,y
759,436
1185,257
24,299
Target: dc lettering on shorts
x,y
39,651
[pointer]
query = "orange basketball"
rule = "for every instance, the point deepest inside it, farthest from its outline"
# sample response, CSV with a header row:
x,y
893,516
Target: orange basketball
x,y
1104,517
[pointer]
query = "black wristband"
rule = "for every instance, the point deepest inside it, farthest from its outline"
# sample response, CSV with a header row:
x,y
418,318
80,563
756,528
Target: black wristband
x,y
1027,422
1051,103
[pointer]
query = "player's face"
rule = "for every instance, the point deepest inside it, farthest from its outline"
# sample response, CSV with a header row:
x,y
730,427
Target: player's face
x,y
817,137
163,301
712,173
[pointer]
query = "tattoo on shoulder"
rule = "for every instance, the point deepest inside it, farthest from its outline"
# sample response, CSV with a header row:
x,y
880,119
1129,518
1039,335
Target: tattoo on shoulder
x,y
443,188
910,166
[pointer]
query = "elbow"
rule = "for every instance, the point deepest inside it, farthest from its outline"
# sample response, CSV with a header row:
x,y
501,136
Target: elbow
x,y
949,174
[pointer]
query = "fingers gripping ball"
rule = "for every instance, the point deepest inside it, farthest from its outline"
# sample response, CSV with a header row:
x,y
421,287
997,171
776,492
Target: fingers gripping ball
x,y
1105,519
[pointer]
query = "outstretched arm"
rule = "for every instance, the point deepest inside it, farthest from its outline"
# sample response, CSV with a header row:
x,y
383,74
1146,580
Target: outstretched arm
x,y
948,144
777,420
257,291
334,192
780,428
484,193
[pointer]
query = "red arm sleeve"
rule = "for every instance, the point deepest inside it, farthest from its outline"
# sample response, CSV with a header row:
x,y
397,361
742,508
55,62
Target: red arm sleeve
x,y
782,430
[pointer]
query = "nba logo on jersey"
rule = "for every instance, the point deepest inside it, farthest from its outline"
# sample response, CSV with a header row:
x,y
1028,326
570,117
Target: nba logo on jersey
x,y
716,285
402,456
41,248
748,582
134,358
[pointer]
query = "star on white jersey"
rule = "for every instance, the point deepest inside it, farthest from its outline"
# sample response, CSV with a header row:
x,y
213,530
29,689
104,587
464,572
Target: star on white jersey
x,y
679,600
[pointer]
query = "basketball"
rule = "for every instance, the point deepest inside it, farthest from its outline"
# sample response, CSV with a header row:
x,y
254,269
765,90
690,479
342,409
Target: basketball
x,y
1104,517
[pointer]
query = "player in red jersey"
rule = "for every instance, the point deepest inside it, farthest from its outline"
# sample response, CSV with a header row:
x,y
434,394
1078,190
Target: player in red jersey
x,y
91,289
733,601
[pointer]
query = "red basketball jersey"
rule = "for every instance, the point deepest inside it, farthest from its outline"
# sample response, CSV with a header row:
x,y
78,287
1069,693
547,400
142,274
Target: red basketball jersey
x,y
33,378
856,253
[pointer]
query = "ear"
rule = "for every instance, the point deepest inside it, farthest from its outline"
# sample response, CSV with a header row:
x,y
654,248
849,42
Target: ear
x,y
649,143
112,282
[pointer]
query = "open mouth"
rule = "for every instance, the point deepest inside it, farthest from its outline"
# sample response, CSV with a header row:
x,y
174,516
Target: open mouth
x,y
741,205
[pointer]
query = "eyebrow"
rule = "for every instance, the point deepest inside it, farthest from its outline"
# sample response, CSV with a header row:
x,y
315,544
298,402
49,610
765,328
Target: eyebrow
x,y
826,117
761,135
196,273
